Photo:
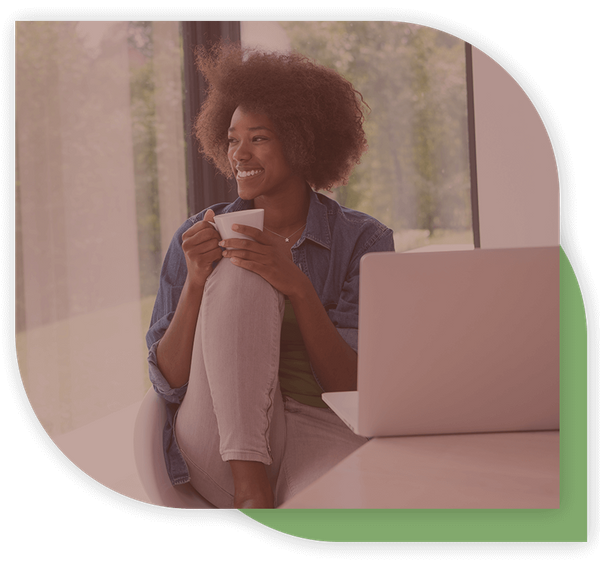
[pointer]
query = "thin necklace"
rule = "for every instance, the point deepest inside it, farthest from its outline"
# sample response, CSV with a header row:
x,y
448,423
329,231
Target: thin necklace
x,y
287,239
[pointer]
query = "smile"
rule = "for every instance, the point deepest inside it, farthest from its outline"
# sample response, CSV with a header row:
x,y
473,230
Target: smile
x,y
250,173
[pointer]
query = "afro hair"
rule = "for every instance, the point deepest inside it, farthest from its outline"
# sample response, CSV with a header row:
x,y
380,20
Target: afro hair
x,y
318,115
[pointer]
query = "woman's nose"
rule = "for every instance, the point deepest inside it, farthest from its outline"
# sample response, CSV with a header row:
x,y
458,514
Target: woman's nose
x,y
241,152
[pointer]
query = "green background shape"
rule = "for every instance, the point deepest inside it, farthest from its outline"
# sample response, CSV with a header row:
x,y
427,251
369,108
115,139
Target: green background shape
x,y
565,524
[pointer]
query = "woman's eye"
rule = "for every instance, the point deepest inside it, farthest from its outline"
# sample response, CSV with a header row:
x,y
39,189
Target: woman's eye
x,y
231,141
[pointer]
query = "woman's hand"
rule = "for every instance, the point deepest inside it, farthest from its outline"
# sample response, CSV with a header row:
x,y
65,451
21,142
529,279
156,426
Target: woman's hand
x,y
333,360
265,256
200,245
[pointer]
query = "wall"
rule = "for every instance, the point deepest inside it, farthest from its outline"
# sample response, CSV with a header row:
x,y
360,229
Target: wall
x,y
516,169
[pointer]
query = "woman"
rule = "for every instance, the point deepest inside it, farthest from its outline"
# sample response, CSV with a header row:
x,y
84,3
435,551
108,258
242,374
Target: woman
x,y
243,341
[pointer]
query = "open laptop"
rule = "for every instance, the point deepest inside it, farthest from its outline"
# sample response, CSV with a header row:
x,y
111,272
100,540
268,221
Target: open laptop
x,y
456,342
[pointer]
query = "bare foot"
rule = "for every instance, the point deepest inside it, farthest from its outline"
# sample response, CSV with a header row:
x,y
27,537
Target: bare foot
x,y
252,487
254,502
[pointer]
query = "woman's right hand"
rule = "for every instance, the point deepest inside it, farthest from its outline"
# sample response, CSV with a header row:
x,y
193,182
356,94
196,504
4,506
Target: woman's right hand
x,y
201,250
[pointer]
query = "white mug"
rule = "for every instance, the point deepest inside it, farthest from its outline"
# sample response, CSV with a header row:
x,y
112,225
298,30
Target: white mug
x,y
254,217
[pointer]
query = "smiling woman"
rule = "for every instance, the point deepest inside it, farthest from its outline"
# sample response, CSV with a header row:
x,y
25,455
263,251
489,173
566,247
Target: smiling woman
x,y
257,159
317,114
244,341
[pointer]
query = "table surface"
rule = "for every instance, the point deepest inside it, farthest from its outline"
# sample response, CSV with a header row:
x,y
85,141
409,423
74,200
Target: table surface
x,y
491,470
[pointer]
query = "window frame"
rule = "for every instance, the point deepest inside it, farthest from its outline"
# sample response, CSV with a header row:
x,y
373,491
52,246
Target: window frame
x,y
206,185
472,145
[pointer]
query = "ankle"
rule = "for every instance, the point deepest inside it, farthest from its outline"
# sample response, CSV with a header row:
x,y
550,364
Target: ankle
x,y
252,487
261,498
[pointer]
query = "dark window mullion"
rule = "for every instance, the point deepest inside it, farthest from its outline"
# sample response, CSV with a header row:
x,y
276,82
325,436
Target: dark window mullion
x,y
472,145
206,186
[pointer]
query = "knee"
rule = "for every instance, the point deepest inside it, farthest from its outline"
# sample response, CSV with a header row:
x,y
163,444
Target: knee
x,y
236,283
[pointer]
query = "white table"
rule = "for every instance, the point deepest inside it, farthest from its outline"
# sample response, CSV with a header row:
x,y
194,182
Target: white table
x,y
492,470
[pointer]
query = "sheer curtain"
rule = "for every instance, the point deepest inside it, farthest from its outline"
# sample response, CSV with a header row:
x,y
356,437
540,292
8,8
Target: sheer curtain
x,y
100,191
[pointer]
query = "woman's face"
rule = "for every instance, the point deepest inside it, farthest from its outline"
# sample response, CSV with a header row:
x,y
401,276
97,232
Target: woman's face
x,y
256,157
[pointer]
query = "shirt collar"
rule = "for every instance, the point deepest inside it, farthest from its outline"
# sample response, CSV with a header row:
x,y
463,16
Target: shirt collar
x,y
317,224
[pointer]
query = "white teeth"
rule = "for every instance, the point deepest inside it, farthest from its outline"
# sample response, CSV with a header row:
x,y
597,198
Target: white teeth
x,y
249,173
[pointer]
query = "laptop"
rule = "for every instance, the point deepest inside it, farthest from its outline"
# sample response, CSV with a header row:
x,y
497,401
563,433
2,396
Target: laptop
x,y
456,342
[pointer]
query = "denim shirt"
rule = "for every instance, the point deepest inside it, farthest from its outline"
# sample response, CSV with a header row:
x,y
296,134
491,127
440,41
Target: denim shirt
x,y
328,253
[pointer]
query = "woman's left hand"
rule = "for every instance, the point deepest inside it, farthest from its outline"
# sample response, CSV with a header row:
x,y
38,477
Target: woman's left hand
x,y
265,256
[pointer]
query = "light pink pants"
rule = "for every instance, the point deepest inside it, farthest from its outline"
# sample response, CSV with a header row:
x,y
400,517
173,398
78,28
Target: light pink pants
x,y
233,409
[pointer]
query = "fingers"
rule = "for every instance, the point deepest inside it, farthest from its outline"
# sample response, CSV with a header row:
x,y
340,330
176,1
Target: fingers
x,y
259,240
205,223
245,255
202,255
251,232
200,243
248,245
212,255
201,231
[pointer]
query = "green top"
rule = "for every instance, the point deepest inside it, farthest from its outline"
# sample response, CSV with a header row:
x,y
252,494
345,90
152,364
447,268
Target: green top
x,y
295,375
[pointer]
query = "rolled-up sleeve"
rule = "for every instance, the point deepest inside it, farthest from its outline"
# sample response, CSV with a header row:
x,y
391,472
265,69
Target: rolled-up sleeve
x,y
172,279
161,386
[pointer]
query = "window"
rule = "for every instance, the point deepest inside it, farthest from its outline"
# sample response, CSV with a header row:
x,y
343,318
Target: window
x,y
415,177
107,170
206,185
101,189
